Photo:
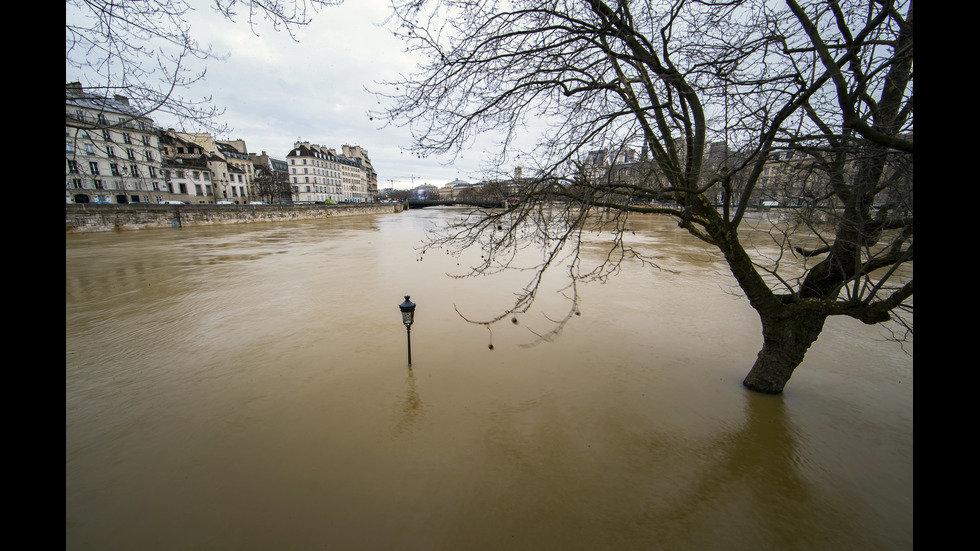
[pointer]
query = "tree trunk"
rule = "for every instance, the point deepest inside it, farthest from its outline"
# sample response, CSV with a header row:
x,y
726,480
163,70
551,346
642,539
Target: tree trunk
x,y
786,339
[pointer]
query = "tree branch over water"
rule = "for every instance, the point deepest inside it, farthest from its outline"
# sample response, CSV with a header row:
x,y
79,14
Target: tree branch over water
x,y
811,101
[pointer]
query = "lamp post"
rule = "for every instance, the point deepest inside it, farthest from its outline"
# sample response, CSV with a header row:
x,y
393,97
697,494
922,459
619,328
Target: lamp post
x,y
408,316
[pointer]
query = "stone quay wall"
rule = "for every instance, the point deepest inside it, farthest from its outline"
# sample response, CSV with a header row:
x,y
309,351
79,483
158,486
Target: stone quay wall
x,y
141,216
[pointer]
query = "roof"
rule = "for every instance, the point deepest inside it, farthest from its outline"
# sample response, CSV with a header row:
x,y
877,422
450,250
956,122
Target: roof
x,y
77,96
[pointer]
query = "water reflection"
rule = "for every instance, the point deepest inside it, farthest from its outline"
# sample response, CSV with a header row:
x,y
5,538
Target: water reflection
x,y
412,407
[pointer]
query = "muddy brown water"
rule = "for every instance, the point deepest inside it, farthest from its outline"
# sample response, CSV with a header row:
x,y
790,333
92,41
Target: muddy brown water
x,y
245,387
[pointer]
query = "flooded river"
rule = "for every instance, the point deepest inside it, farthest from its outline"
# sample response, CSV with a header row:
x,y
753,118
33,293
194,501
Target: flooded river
x,y
246,388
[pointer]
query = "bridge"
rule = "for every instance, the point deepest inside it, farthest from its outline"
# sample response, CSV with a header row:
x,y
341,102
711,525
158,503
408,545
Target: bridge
x,y
422,203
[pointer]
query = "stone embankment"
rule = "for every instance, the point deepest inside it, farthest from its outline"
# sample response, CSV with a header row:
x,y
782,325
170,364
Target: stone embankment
x,y
141,216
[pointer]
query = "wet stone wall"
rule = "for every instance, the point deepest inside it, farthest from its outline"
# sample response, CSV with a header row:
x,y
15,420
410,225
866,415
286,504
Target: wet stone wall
x,y
137,216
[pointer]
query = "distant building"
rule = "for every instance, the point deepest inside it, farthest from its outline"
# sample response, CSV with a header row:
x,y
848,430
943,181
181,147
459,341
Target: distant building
x,y
240,168
319,174
369,176
271,179
111,151
426,191
228,165
187,170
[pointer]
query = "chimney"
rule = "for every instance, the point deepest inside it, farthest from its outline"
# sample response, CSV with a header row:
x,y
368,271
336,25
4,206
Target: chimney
x,y
121,99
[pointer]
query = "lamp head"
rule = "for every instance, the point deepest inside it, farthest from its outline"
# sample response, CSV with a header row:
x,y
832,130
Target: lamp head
x,y
408,311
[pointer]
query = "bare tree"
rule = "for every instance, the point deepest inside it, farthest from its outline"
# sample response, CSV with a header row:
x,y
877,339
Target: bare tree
x,y
145,51
819,91
272,185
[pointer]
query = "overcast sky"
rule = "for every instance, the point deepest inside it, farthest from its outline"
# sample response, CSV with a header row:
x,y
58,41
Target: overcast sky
x,y
317,88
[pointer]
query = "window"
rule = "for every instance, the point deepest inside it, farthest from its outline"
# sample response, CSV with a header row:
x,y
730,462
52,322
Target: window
x,y
130,154
197,175
153,172
111,151
134,170
69,147
183,188
149,156
98,184
93,167
114,169
106,135
89,149
197,189
76,183
127,138
72,167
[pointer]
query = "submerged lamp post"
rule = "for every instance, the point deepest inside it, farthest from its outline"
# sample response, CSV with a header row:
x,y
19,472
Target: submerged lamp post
x,y
408,316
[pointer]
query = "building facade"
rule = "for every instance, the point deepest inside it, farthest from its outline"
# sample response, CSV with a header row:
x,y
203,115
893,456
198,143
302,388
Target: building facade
x,y
226,164
271,179
187,169
111,151
241,171
319,175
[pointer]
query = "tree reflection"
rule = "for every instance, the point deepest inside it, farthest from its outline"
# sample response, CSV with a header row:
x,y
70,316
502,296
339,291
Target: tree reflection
x,y
757,485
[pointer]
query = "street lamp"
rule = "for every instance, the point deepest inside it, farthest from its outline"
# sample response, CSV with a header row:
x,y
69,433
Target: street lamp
x,y
408,316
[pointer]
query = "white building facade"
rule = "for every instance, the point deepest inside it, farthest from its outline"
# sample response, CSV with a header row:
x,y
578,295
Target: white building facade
x,y
319,175
111,152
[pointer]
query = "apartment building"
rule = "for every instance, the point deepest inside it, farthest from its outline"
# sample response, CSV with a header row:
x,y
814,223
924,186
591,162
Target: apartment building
x,y
187,169
318,174
271,179
111,151
369,175
228,166
241,170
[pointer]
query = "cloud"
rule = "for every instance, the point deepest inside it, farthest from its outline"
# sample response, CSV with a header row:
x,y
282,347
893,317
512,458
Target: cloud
x,y
318,87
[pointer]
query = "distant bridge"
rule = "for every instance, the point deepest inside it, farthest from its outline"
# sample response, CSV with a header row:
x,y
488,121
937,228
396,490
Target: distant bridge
x,y
421,204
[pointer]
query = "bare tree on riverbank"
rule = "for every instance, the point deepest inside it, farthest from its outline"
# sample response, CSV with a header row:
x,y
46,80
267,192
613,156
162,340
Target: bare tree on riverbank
x,y
825,86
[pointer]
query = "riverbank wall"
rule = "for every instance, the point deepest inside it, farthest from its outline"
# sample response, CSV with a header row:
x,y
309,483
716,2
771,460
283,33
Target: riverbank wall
x,y
141,216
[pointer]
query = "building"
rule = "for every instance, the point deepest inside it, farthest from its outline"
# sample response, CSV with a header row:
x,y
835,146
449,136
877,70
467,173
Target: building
x,y
369,175
187,169
271,179
318,175
111,151
228,165
241,170
426,192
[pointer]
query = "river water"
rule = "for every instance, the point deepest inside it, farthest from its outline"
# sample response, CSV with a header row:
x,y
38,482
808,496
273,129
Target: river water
x,y
246,387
